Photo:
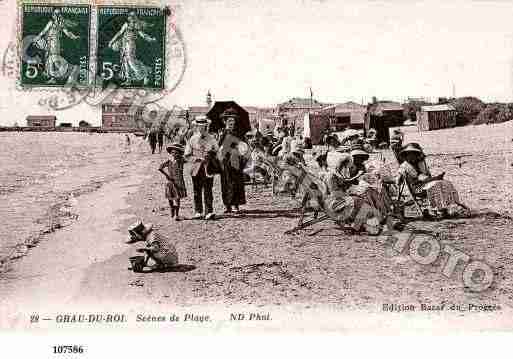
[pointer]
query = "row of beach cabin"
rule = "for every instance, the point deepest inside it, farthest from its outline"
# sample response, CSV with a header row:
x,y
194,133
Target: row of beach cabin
x,y
379,116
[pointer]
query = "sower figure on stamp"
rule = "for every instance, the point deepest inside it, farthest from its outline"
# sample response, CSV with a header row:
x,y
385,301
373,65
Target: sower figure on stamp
x,y
125,41
49,40
197,150
232,176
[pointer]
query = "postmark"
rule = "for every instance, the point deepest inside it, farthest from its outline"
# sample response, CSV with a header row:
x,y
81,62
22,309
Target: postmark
x,y
175,60
55,45
9,61
131,47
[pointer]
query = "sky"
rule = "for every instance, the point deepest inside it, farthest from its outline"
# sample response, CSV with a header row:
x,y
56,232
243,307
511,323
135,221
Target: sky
x,y
262,53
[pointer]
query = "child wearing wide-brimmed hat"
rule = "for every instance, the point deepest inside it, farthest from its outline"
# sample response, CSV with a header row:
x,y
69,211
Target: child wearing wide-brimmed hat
x,y
158,247
175,187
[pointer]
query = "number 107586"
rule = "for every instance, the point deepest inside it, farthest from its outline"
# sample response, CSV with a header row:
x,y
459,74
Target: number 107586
x,y
68,349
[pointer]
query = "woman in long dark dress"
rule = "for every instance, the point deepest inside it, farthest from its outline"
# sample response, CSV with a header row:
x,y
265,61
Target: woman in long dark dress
x,y
232,162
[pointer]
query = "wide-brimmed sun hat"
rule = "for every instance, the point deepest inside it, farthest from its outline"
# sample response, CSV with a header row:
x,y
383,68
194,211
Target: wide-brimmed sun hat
x,y
299,151
230,113
175,147
335,159
201,121
411,147
359,151
343,160
138,231
343,149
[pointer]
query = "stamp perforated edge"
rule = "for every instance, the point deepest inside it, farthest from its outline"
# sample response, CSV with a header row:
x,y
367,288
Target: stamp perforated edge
x,y
19,42
164,44
93,6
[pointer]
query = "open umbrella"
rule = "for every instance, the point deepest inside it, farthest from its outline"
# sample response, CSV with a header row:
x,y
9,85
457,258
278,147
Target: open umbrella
x,y
217,122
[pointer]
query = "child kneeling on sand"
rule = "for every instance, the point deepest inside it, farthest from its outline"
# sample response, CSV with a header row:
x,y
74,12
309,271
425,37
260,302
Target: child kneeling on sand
x,y
175,186
158,248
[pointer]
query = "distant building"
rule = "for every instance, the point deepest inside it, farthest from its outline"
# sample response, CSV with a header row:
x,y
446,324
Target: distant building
x,y
293,110
346,115
258,113
436,117
120,116
41,121
418,99
197,111
381,115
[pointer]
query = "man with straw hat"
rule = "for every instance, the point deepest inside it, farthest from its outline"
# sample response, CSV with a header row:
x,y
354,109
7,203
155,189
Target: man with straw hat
x,y
197,151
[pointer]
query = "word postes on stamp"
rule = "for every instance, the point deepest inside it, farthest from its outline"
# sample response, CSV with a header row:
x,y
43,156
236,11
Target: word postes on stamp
x,y
131,47
55,46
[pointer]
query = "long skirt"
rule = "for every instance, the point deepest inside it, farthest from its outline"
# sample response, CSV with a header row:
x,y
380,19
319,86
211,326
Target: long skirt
x,y
352,210
441,194
232,186
379,200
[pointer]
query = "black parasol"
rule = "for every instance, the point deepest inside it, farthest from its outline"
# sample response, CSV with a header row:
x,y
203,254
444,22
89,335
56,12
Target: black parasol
x,y
217,122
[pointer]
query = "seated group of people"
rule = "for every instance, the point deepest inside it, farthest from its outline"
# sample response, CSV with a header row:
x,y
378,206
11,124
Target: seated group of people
x,y
356,190
359,192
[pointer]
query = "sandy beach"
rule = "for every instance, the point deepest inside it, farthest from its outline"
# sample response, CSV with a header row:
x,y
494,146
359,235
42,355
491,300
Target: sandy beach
x,y
245,262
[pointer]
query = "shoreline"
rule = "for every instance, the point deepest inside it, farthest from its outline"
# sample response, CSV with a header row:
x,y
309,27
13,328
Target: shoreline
x,y
57,220
37,281
45,201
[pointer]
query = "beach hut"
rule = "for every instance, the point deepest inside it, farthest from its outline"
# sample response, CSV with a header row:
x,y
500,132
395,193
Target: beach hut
x,y
346,115
120,115
314,124
41,121
381,116
436,117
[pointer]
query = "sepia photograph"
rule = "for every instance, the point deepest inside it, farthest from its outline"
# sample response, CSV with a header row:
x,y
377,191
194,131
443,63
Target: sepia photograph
x,y
213,166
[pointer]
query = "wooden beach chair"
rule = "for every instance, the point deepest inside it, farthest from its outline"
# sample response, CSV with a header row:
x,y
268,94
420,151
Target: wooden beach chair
x,y
318,192
408,197
317,216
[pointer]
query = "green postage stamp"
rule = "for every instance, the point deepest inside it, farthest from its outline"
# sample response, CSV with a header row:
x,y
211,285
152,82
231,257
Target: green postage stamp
x,y
131,47
55,47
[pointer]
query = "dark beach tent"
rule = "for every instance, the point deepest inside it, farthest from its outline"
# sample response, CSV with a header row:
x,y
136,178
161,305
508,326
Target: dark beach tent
x,y
217,122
